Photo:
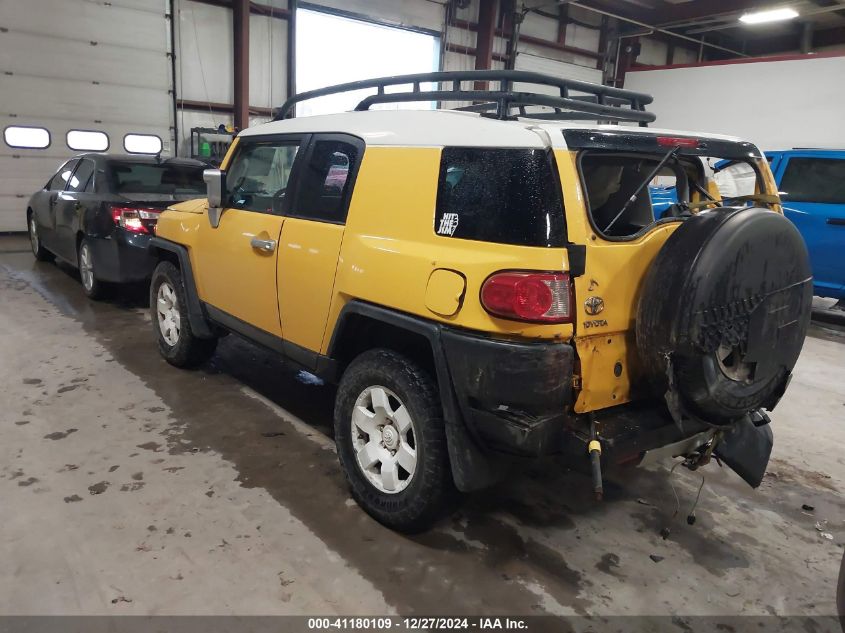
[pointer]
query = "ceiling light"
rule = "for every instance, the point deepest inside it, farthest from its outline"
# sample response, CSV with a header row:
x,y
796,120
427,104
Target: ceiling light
x,y
770,15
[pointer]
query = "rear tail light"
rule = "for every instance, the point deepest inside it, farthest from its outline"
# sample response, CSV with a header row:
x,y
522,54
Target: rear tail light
x,y
135,219
528,296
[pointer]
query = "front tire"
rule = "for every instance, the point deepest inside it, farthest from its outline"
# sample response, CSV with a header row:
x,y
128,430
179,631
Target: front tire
x,y
91,286
168,309
41,253
391,440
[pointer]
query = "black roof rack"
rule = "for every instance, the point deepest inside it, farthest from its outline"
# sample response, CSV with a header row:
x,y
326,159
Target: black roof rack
x,y
597,102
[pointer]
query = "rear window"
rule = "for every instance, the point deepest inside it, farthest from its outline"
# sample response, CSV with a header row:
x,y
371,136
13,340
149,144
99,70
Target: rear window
x,y
129,177
814,180
508,196
628,192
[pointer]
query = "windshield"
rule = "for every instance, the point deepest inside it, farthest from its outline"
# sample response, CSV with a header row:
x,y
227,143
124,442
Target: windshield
x,y
628,192
168,179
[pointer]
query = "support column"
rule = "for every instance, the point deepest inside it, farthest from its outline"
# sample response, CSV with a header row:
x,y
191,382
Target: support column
x,y
292,52
240,21
488,15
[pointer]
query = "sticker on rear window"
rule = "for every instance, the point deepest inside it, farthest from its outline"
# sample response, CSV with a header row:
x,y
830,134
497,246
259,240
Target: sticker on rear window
x,y
448,224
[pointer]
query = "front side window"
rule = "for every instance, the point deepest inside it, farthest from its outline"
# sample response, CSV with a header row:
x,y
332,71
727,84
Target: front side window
x,y
82,177
60,180
326,180
258,177
157,178
814,180
508,196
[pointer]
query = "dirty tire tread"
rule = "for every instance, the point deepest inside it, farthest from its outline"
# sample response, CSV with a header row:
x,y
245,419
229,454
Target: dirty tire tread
x,y
189,350
432,492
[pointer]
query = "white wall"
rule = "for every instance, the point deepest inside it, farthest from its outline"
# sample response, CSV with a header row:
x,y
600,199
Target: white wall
x,y
775,104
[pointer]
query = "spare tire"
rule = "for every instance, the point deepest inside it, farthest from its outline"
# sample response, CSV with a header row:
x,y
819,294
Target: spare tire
x,y
723,313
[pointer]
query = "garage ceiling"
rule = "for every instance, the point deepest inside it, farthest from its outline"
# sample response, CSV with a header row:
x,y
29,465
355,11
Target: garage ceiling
x,y
718,22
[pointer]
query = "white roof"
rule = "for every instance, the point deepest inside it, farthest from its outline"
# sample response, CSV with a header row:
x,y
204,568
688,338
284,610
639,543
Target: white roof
x,y
439,128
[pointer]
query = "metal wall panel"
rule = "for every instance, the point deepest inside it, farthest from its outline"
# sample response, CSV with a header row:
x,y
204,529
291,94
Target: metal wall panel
x,y
78,64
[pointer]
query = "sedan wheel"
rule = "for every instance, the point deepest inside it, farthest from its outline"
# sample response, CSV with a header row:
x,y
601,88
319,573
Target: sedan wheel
x,y
33,236
167,310
86,267
41,253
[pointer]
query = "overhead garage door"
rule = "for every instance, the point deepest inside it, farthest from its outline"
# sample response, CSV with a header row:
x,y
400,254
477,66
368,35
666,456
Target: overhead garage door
x,y
78,65
546,66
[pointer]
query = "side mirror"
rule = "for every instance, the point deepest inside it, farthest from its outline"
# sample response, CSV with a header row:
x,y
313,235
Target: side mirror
x,y
215,180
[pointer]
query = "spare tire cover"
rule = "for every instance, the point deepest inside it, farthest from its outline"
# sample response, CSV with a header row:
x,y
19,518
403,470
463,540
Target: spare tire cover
x,y
724,311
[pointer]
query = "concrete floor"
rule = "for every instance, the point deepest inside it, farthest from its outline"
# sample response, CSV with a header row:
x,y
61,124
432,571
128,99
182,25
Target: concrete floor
x,y
131,487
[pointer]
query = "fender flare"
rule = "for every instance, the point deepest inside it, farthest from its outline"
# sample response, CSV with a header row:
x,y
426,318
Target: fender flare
x,y
472,467
196,313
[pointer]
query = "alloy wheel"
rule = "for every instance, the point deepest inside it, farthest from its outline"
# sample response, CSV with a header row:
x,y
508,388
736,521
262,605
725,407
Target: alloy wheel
x,y
167,309
383,439
33,235
86,267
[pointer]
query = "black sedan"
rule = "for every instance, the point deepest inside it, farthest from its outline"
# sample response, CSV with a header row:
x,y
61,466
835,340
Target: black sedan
x,y
98,212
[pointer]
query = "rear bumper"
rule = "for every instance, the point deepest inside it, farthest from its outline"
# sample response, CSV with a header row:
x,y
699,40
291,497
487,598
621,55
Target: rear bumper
x,y
513,396
122,257
516,398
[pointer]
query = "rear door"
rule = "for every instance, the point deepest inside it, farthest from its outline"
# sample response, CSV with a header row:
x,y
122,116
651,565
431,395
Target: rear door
x,y
311,238
812,188
55,199
69,207
236,261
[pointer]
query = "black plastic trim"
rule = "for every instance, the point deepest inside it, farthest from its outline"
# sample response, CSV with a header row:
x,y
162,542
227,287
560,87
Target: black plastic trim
x,y
472,467
321,366
647,142
196,314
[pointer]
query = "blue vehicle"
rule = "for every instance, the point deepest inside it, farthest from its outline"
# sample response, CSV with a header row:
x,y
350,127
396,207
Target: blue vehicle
x,y
811,183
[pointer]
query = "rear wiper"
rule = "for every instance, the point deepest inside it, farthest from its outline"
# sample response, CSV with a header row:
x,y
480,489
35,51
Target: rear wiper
x,y
643,185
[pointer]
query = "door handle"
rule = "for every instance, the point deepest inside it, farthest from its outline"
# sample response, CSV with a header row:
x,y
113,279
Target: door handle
x,y
265,246
836,221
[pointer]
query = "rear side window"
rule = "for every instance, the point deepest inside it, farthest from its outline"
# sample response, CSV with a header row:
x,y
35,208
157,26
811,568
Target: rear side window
x,y
507,196
326,181
814,180
164,178
82,177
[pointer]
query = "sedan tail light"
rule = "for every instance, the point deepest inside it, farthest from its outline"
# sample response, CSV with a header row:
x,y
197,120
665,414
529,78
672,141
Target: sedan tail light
x,y
529,296
135,219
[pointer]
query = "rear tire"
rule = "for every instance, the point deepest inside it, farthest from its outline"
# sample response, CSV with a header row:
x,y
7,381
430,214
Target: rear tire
x,y
91,286
168,309
41,253
391,440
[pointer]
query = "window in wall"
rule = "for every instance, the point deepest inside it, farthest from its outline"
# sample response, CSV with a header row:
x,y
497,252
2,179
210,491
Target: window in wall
x,y
87,141
323,194
814,180
142,144
26,137
331,49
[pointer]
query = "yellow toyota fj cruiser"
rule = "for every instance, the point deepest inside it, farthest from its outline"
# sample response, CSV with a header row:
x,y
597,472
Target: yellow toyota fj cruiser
x,y
497,282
